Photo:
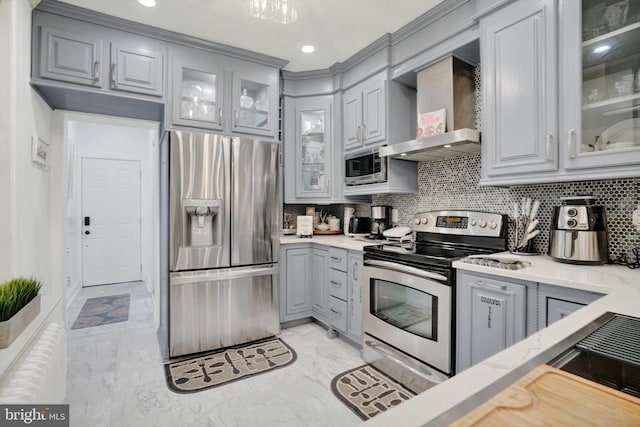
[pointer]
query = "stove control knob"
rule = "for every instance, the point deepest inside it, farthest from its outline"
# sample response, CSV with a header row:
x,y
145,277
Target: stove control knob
x,y
473,222
493,225
424,220
416,221
483,223
572,223
572,212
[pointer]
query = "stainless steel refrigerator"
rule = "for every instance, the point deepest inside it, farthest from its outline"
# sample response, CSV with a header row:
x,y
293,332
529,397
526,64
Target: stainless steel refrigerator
x,y
223,216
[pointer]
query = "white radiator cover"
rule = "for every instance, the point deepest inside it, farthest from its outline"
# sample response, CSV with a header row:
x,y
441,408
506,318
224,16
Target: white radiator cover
x,y
39,375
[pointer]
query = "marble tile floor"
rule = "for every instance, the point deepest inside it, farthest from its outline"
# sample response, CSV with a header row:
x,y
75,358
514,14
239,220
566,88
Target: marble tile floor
x,y
115,377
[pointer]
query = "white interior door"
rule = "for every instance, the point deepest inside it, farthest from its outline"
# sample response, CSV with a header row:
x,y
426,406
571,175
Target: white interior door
x,y
110,221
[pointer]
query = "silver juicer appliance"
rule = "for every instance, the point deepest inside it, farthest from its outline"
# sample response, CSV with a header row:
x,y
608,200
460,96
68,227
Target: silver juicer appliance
x,y
578,232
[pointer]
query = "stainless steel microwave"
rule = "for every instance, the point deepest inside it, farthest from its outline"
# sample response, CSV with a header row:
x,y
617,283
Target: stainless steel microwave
x,y
365,167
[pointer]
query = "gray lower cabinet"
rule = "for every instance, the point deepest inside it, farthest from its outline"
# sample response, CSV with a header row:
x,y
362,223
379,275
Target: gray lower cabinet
x,y
555,302
491,316
319,282
354,294
81,53
296,270
323,283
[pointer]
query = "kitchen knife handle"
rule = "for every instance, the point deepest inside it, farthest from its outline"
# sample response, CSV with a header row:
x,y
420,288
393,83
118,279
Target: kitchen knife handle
x,y
570,143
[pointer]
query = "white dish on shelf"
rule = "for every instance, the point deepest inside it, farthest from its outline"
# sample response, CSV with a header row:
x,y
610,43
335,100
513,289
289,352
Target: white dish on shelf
x,y
624,134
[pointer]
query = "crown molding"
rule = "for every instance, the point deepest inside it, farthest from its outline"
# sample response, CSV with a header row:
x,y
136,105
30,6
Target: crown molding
x,y
71,11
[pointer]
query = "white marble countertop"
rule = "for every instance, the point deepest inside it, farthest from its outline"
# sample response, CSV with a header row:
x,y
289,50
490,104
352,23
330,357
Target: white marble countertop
x,y
335,240
455,397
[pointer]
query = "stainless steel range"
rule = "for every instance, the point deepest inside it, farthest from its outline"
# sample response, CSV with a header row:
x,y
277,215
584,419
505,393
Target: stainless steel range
x,y
409,294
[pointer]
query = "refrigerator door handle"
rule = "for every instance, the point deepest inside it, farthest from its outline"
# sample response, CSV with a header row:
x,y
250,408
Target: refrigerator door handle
x,y
185,278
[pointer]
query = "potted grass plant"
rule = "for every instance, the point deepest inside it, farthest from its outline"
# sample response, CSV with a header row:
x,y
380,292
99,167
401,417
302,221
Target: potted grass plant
x,y
19,305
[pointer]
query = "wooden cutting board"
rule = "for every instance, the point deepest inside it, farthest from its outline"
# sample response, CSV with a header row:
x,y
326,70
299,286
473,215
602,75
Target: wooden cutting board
x,y
547,396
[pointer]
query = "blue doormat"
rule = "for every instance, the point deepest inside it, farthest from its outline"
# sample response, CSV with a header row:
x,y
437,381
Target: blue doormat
x,y
103,311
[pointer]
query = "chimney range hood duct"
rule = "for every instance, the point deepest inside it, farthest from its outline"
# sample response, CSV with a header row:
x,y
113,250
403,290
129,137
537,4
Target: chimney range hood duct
x,y
448,84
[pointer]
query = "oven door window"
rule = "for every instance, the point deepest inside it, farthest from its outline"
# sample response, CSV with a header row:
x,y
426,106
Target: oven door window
x,y
405,308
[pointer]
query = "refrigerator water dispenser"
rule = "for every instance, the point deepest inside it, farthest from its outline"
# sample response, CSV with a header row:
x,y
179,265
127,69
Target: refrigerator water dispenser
x,y
202,223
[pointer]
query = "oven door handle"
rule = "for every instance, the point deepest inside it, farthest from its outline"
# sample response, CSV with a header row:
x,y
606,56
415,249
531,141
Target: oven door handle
x,y
406,269
433,378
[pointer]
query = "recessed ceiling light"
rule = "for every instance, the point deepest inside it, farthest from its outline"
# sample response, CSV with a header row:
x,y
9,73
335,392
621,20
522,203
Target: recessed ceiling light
x,y
307,48
147,3
447,146
601,49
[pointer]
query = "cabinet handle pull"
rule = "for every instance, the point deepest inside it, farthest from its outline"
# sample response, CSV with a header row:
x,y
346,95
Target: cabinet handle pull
x,y
570,143
96,71
548,146
333,282
335,258
335,312
491,286
359,134
362,133
235,121
114,76
220,116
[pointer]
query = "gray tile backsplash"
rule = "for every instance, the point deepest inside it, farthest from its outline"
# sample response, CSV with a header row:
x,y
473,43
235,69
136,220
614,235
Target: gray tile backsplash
x,y
453,184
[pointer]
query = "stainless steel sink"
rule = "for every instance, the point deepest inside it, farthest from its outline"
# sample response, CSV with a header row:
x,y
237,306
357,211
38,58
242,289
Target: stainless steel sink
x,y
610,355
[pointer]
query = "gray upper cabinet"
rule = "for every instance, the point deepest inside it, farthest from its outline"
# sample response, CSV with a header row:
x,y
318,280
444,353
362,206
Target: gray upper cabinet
x,y
600,91
90,55
255,100
137,67
518,50
588,52
197,88
71,57
220,93
365,114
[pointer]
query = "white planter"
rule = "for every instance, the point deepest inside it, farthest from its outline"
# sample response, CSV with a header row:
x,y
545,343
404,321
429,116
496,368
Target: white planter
x,y
10,329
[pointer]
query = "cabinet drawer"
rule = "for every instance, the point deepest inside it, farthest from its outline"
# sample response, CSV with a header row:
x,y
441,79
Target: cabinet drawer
x,y
338,259
337,313
338,284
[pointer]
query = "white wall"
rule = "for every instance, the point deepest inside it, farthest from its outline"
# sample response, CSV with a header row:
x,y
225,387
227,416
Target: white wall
x,y
25,194
93,136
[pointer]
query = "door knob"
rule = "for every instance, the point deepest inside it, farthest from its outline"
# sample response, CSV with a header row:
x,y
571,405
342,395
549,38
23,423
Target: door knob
x,y
87,232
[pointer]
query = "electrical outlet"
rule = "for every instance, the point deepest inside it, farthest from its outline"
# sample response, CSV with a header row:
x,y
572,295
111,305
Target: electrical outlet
x,y
636,218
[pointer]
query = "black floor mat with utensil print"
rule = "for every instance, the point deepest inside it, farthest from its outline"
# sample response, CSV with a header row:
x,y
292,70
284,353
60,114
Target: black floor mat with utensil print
x,y
368,392
231,364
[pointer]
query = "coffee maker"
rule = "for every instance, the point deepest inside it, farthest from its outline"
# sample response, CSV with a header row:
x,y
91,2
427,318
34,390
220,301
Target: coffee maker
x,y
579,232
380,221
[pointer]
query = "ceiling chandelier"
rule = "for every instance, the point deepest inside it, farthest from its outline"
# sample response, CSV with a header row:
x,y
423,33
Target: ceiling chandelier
x,y
282,11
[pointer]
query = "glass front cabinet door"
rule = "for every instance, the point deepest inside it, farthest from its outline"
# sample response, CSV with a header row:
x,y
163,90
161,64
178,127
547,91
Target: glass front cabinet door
x,y
197,93
601,82
313,145
255,103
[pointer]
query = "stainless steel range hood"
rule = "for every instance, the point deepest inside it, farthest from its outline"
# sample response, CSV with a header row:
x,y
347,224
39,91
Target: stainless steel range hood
x,y
448,84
